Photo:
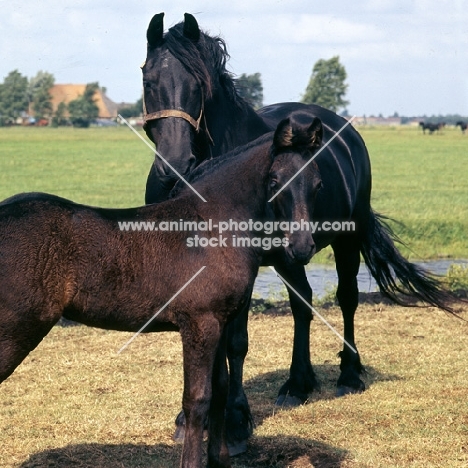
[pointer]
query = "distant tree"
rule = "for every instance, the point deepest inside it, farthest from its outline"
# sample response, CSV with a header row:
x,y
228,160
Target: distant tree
x,y
59,119
39,95
250,88
327,86
83,110
13,97
134,110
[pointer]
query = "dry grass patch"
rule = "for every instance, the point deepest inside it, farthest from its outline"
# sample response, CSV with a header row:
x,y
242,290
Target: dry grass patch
x,y
75,403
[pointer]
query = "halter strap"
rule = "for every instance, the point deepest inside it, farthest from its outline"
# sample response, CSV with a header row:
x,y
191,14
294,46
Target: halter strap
x,y
163,114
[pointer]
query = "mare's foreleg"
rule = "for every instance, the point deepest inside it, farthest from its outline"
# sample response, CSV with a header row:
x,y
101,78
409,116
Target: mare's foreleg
x,y
347,258
302,379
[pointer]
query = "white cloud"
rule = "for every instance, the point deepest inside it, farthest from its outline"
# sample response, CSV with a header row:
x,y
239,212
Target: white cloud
x,y
382,43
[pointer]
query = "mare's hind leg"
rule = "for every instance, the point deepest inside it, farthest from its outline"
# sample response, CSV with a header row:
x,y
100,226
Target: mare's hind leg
x,y
347,258
302,379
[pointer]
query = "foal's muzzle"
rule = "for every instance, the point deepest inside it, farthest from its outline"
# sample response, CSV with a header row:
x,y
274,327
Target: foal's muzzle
x,y
301,248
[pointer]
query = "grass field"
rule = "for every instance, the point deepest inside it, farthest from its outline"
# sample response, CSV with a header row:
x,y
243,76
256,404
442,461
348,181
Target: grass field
x,y
75,403
419,180
97,166
422,181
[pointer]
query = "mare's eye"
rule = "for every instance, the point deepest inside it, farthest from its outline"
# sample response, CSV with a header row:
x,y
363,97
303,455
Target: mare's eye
x,y
273,184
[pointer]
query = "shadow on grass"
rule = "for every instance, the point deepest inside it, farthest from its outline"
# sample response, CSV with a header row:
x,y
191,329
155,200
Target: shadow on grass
x,y
277,452
286,451
262,390
268,384
106,456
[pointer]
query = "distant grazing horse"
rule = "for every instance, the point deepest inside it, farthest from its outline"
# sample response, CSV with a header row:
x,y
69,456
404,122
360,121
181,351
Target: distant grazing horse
x,y
432,127
462,126
61,259
193,113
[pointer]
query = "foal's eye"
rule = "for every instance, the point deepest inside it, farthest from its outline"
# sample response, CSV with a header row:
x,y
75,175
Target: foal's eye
x,y
273,184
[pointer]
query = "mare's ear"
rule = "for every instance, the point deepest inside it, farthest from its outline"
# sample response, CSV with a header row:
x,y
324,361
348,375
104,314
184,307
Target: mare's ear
x,y
315,133
191,29
154,34
283,134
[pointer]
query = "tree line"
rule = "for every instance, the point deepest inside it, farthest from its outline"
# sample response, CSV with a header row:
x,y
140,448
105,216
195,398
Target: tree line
x,y
327,86
20,96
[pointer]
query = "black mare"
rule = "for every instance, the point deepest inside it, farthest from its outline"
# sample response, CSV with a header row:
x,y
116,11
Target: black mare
x,y
462,125
431,127
192,108
59,258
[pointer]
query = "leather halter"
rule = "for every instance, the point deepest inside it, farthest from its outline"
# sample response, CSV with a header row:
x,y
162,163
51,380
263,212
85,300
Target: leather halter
x,y
162,114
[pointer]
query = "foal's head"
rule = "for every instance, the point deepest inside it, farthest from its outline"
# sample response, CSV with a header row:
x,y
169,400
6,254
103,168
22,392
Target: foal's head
x,y
295,180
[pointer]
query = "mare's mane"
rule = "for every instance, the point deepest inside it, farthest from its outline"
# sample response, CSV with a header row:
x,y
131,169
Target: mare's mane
x,y
205,59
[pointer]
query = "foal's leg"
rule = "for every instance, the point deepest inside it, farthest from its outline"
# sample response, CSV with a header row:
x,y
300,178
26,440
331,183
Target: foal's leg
x,y
218,453
239,423
200,342
18,338
302,379
347,258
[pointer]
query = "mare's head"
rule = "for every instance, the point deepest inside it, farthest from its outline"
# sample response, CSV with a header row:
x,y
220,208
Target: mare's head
x,y
294,180
184,70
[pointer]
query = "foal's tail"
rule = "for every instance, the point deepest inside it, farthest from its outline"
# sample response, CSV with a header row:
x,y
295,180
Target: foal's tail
x,y
397,278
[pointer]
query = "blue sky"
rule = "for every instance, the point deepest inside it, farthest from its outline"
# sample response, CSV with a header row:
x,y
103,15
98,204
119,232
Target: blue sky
x,y
409,57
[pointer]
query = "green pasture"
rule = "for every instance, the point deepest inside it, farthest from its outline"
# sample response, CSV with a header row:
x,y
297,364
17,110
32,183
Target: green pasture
x,y
97,166
419,180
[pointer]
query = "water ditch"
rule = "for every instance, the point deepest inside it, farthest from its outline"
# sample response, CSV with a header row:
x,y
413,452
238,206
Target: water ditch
x,y
323,278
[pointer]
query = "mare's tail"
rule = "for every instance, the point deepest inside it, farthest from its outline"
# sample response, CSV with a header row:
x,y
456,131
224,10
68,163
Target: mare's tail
x,y
397,277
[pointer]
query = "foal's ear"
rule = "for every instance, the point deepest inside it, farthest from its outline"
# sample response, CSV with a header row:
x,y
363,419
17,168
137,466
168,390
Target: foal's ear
x,y
283,134
315,133
292,132
154,34
191,29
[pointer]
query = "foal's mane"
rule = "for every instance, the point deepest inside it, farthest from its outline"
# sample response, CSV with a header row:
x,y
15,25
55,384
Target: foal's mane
x,y
205,59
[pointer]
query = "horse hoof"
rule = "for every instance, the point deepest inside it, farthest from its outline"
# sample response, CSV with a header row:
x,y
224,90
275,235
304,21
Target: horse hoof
x,y
288,401
237,448
343,390
179,434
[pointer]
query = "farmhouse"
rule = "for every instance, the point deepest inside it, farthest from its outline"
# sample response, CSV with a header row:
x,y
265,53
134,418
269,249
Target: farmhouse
x,y
386,121
69,92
